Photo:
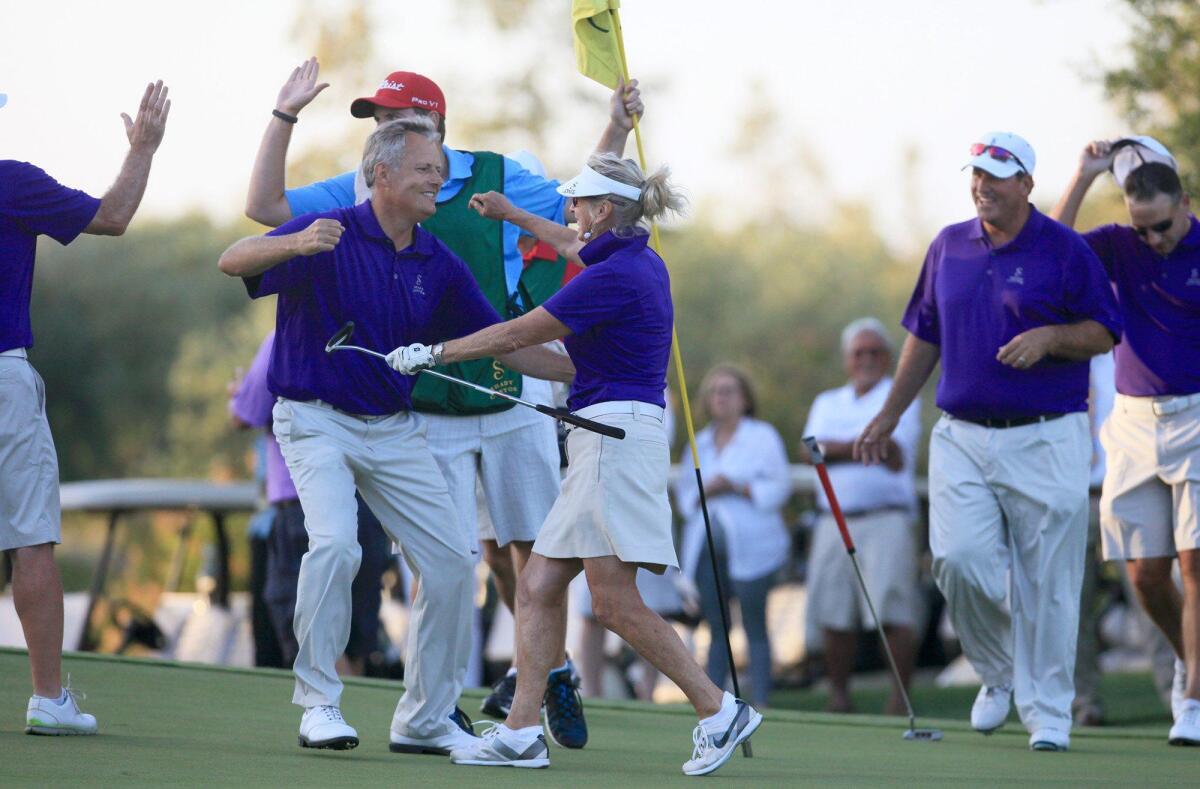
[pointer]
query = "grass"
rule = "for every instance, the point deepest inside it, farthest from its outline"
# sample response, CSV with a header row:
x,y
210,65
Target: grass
x,y
170,724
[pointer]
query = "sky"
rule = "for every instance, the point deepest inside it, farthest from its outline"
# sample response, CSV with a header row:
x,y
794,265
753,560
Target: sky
x,y
856,86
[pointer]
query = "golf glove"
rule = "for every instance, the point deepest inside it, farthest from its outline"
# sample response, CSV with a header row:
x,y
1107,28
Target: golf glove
x,y
411,359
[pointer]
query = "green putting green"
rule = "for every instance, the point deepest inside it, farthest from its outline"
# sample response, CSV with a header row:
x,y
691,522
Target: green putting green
x,y
171,724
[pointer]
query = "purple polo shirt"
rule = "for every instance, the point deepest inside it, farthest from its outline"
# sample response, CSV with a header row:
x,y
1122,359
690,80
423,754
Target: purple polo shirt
x,y
422,293
971,299
31,204
1159,299
252,404
620,315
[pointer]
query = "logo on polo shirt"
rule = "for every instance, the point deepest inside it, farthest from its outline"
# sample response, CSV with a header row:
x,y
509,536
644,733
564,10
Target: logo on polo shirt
x,y
1018,276
389,85
418,289
1195,278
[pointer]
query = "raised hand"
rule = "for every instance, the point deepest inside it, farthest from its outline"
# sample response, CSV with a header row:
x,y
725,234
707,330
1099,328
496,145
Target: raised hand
x,y
301,88
321,236
491,205
1097,157
145,132
626,104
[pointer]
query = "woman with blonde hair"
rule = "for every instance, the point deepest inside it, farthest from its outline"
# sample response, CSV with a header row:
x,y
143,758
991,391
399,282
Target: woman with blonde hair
x,y
613,515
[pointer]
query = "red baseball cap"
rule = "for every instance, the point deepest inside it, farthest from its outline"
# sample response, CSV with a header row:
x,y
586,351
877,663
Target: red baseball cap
x,y
402,89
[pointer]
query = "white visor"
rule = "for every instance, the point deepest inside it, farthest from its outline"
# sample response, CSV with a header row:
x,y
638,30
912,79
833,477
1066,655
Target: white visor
x,y
590,183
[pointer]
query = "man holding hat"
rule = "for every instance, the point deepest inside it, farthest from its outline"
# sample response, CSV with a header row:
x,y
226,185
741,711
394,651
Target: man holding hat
x,y
1013,305
1149,507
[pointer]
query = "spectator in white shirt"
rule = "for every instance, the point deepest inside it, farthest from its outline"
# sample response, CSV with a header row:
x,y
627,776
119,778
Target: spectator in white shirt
x,y
879,503
747,482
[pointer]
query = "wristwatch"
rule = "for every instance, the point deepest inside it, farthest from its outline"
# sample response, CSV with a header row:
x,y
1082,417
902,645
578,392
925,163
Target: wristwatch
x,y
438,351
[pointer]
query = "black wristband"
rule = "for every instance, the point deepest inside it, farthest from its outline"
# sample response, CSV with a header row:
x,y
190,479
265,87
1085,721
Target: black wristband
x,y
283,116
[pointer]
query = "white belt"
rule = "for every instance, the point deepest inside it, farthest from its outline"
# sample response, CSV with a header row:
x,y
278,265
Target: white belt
x,y
635,407
1160,406
20,353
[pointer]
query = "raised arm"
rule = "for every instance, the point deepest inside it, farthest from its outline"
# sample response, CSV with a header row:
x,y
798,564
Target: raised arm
x,y
253,255
917,362
145,133
265,202
1096,158
493,205
625,104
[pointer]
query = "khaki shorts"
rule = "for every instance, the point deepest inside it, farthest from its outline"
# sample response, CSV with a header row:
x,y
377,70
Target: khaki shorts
x,y
886,549
1149,503
29,507
614,497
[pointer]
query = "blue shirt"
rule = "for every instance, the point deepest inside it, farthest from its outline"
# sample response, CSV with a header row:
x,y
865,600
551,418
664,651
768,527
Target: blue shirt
x,y
972,298
1160,304
422,293
31,204
620,315
530,192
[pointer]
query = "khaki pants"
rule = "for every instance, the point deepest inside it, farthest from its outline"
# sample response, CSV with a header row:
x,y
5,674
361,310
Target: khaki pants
x,y
329,455
1008,512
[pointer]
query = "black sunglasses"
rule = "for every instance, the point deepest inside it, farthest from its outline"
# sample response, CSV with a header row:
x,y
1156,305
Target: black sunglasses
x,y
1157,229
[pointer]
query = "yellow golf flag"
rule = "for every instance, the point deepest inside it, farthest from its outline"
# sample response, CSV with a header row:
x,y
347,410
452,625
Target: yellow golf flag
x,y
595,45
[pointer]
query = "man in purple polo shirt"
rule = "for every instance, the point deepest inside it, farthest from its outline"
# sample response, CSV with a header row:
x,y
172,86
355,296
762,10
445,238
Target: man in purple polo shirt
x,y
1013,305
344,421
1148,508
33,204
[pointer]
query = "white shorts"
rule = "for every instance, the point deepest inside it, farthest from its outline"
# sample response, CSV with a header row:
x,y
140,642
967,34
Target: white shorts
x,y
887,553
29,506
1151,493
614,497
514,454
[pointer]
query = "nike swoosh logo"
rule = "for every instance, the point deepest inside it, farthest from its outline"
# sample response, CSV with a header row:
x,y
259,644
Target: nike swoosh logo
x,y
739,722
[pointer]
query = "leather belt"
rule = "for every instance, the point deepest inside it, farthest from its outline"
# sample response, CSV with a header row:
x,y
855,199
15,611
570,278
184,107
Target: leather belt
x,y
1002,424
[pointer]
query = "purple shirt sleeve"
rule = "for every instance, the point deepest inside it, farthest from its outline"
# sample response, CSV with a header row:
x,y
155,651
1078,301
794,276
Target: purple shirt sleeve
x,y
1101,242
1089,294
43,206
253,401
597,295
290,275
921,316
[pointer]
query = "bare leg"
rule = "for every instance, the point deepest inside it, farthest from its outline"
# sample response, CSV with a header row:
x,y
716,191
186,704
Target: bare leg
x,y
1189,567
903,645
38,597
591,657
1151,579
541,631
618,606
841,647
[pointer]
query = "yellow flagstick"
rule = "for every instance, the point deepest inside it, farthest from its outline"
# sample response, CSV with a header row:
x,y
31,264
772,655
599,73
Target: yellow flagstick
x,y
656,242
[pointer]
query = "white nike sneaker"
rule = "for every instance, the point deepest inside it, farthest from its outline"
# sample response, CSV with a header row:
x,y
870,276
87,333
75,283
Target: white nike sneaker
x,y
58,716
713,750
1178,688
440,745
1049,740
498,748
324,727
1186,730
990,710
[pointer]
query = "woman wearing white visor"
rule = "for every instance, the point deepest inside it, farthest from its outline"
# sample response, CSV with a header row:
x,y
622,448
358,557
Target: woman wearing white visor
x,y
613,515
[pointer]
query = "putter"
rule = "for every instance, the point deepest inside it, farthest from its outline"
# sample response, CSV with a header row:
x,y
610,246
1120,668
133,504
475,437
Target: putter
x,y
338,343
913,733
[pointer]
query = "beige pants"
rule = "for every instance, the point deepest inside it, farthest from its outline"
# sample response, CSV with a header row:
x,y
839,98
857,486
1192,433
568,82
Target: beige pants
x,y
329,454
29,508
1008,510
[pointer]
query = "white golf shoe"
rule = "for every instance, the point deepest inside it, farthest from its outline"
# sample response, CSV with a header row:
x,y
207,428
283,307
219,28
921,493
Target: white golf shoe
x,y
500,746
1049,740
59,716
990,710
712,749
324,727
1178,688
1186,730
439,745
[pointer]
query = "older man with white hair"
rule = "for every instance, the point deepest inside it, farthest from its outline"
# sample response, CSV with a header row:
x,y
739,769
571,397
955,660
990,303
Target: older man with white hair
x,y
880,507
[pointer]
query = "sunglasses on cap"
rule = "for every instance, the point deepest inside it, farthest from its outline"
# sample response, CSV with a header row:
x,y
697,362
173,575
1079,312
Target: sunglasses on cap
x,y
998,153
1157,229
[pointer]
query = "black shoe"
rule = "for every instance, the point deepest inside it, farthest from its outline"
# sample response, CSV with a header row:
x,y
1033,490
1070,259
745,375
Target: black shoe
x,y
499,701
563,710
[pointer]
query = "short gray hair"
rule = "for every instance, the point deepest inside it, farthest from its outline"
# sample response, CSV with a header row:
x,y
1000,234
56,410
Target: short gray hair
x,y
857,327
386,143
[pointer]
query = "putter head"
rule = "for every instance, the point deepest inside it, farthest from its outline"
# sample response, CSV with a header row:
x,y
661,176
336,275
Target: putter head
x,y
340,337
925,735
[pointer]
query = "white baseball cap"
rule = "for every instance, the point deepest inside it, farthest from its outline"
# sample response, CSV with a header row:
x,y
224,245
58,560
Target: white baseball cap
x,y
1003,154
590,183
1133,152
3,99
529,162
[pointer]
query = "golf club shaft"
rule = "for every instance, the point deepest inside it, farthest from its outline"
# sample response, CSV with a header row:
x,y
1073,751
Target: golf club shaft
x,y
555,413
